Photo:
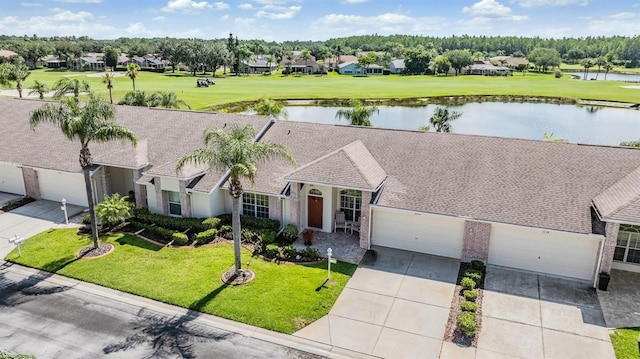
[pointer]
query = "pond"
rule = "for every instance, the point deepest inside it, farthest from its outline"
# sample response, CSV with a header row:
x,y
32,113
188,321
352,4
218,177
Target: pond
x,y
576,124
610,76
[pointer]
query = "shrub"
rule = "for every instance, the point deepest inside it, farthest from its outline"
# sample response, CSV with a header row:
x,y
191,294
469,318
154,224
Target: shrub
x,y
206,236
86,219
470,295
307,236
268,236
468,306
213,222
226,232
252,222
114,209
290,233
309,254
288,253
467,283
165,234
475,275
176,223
477,265
271,251
558,73
179,239
250,237
467,323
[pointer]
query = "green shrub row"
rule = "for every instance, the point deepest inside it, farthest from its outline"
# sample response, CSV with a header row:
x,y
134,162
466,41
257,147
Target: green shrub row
x,y
207,236
252,222
467,323
290,233
467,283
470,295
176,223
468,306
165,234
285,253
180,239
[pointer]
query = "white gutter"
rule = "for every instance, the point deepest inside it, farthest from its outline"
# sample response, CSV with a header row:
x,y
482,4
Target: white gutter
x,y
595,279
369,232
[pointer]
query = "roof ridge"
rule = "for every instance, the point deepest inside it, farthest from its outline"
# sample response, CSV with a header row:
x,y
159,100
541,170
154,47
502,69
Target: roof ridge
x,y
356,164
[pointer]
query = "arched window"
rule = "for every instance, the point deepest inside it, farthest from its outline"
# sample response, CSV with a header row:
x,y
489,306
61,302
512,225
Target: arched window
x,y
315,192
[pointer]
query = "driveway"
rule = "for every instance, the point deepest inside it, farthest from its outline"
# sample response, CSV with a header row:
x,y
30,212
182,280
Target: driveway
x,y
396,306
525,315
32,219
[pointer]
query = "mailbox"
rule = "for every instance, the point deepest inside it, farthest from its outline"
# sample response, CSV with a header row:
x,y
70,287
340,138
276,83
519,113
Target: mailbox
x,y
17,240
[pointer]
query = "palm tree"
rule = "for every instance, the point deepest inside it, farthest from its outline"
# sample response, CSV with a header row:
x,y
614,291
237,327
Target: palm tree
x,y
358,114
549,137
237,153
587,64
132,72
40,88
268,107
109,78
305,54
93,121
441,119
17,73
114,209
167,100
607,67
68,85
137,98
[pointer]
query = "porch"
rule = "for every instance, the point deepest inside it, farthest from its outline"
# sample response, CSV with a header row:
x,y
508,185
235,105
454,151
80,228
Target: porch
x,y
345,246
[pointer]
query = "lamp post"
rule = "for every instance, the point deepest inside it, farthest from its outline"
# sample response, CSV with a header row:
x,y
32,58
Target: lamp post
x,y
329,263
64,208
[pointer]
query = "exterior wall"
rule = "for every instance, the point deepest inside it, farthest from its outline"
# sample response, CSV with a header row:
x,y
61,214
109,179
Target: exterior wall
x,y
475,245
161,202
294,203
11,179
31,184
141,195
185,200
150,194
275,208
200,206
611,237
122,180
286,211
364,219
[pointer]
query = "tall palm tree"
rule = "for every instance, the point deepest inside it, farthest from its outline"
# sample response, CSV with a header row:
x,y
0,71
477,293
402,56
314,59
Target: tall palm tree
x,y
268,107
109,78
40,88
16,72
358,114
90,122
132,72
168,100
237,152
441,119
68,85
305,54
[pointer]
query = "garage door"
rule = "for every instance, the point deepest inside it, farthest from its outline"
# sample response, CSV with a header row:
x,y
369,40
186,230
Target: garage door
x,y
11,179
417,232
562,254
56,185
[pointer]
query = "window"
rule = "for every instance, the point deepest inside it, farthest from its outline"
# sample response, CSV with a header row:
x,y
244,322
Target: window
x,y
175,207
628,245
255,205
350,202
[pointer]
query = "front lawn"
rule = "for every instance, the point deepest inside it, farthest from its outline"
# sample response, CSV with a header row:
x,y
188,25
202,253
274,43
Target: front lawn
x,y
625,343
282,297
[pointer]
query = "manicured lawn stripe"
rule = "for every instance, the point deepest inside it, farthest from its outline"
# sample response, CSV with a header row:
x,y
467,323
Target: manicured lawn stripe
x,y
282,297
625,343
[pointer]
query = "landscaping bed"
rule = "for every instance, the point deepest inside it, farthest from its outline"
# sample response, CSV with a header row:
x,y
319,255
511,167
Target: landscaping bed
x,y
465,315
17,203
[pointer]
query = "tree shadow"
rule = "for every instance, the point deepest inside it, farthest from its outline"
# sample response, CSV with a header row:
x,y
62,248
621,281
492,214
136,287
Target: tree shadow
x,y
13,294
167,336
131,240
202,302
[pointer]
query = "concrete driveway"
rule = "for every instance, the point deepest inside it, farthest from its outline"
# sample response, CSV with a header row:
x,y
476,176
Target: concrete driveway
x,y
525,315
32,219
395,307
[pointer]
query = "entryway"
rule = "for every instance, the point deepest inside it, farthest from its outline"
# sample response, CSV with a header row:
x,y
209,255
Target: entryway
x,y
314,211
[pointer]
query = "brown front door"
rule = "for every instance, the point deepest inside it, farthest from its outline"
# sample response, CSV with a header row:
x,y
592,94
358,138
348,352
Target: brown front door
x,y
314,211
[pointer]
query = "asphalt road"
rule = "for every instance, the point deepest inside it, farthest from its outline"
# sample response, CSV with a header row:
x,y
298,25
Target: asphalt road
x,y
58,321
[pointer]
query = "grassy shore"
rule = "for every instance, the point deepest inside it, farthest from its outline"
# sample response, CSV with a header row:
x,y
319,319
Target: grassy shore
x,y
232,89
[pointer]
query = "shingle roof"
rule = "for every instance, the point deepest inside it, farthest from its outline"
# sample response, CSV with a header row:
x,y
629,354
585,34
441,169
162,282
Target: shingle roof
x,y
523,182
621,201
351,166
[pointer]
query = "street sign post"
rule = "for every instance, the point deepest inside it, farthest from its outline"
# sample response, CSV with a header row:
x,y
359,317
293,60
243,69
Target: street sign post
x,y
17,241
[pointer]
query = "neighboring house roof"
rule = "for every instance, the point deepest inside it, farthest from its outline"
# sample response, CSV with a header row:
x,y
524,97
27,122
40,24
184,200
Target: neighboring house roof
x,y
621,201
512,61
303,63
343,59
351,166
7,54
398,64
91,60
345,64
259,63
522,182
488,67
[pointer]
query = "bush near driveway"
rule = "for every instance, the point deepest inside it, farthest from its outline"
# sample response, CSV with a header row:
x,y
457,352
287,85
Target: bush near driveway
x,y
281,298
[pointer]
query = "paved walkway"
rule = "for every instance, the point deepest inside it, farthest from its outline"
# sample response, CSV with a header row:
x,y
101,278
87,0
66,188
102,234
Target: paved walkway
x,y
344,245
621,302
394,307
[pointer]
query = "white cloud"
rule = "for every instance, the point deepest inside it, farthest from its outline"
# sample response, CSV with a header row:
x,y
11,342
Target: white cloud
x,y
60,23
354,1
387,23
487,8
546,3
62,15
224,17
278,13
190,6
30,4
623,16
245,6
159,18
136,29
81,1
244,21
624,23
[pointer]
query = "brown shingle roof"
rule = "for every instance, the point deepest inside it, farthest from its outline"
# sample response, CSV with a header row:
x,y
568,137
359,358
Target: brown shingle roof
x,y
351,166
621,201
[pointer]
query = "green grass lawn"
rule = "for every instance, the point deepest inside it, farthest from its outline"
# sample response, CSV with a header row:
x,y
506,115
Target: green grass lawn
x,y
625,343
282,297
250,88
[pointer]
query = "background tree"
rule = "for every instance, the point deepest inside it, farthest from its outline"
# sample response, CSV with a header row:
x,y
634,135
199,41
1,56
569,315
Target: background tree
x,y
111,55
587,64
544,58
441,65
268,107
91,122
630,143
32,51
132,72
168,99
68,85
522,67
305,54
216,55
441,119
40,88
168,50
289,56
358,114
459,59
237,152
109,78
14,72
599,61
417,60
137,98
364,61
607,67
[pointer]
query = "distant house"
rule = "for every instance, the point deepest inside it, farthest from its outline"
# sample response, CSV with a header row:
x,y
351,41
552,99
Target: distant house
x,y
508,61
294,59
487,69
53,62
302,67
89,63
258,66
147,61
352,68
335,61
6,55
397,66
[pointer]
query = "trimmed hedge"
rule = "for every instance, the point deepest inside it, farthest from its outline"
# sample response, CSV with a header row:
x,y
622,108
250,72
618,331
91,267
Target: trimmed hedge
x,y
474,274
470,295
468,306
467,323
206,236
176,223
180,239
477,265
252,222
467,283
212,223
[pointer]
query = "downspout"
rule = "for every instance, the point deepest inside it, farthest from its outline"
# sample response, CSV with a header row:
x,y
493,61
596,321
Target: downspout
x,y
369,232
595,279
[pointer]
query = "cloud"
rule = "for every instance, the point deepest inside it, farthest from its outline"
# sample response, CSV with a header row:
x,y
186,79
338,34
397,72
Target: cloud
x,y
62,15
387,23
354,1
159,18
244,21
224,17
30,4
487,8
59,23
279,13
81,1
549,3
136,29
624,23
245,6
190,6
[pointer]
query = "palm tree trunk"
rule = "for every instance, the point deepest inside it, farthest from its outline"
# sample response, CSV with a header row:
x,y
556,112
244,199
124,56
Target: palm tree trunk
x,y
237,231
110,96
134,84
92,212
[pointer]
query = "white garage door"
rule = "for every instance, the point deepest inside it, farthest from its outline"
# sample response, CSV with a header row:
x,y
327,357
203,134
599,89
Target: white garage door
x,y
56,185
423,233
11,179
563,254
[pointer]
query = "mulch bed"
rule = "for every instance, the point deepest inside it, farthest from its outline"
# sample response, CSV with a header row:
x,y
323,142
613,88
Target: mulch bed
x,y
16,204
230,278
89,252
451,334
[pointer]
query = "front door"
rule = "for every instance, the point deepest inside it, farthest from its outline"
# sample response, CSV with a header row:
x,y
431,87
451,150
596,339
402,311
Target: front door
x,y
314,211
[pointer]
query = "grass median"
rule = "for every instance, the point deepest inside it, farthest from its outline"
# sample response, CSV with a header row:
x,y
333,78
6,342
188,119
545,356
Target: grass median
x,y
282,297
625,343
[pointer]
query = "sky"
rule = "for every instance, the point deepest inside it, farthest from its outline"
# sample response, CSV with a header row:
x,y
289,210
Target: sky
x,y
281,20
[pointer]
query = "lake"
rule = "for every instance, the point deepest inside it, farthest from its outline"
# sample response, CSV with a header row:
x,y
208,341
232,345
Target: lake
x,y
610,76
577,124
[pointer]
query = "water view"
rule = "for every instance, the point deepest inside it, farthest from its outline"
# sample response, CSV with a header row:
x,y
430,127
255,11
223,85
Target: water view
x,y
610,76
577,124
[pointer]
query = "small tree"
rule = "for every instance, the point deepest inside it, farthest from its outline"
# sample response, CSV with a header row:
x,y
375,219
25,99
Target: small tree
x,y
268,107
40,88
441,119
114,209
132,72
16,72
68,85
109,78
358,114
